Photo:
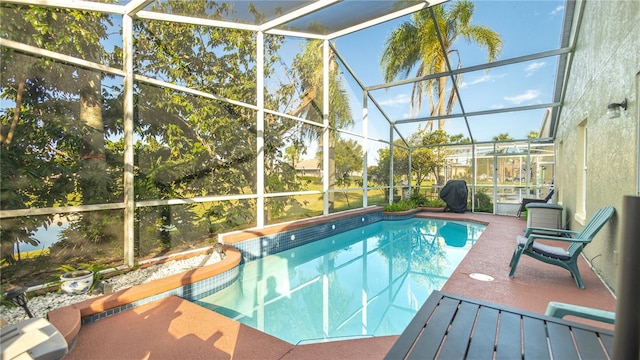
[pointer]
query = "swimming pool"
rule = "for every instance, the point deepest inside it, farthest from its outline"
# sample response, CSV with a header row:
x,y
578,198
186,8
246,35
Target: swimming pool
x,y
365,282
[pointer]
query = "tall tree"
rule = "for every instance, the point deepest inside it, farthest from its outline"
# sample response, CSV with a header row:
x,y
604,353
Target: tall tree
x,y
57,120
533,134
502,137
415,45
212,144
308,71
400,164
348,158
348,161
426,157
53,133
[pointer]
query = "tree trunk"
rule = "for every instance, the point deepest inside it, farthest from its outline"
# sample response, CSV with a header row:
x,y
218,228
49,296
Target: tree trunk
x,y
7,246
16,112
93,179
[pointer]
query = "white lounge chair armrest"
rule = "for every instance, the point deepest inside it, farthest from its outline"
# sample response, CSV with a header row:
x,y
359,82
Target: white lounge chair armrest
x,y
533,237
530,230
560,310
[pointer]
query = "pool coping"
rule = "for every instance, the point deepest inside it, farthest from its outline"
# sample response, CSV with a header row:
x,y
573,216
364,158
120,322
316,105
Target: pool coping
x,y
243,235
69,319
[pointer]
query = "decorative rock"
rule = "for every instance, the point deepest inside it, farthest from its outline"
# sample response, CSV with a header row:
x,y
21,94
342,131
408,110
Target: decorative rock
x,y
41,305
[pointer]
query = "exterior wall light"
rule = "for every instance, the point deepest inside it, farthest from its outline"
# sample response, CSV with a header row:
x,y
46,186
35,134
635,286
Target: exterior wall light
x,y
613,109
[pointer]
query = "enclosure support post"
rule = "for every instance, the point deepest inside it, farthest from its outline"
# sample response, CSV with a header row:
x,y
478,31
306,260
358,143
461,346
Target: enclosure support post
x,y
260,208
325,135
390,164
627,330
128,185
365,163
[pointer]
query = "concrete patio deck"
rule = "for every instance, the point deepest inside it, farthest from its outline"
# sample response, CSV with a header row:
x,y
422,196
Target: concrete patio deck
x,y
173,328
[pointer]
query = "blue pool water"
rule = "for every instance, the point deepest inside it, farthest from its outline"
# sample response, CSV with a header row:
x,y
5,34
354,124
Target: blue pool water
x,y
365,282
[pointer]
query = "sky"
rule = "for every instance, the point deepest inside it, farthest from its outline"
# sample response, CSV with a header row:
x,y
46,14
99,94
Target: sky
x,y
525,27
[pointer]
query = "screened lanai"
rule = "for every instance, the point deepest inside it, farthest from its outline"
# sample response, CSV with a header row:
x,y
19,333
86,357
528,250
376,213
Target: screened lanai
x,y
134,129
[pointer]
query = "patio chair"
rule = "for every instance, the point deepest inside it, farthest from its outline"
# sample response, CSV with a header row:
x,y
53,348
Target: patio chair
x,y
560,310
34,338
526,201
559,256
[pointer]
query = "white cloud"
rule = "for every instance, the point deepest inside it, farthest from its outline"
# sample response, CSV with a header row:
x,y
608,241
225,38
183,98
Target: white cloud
x,y
526,96
557,10
400,99
533,67
481,79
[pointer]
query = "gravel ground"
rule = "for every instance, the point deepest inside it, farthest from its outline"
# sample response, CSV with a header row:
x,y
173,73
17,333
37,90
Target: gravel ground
x,y
41,305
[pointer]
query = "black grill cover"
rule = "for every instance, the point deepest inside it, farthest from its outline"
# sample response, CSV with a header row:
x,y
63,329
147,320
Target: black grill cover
x,y
454,194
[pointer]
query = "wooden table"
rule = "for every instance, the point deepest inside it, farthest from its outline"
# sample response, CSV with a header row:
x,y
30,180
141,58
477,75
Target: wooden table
x,y
453,327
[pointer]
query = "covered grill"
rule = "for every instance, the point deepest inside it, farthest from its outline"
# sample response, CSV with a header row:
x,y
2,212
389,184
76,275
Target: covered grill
x,y
454,194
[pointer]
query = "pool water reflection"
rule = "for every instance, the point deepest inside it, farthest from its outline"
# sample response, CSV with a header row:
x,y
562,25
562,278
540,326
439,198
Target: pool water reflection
x,y
365,282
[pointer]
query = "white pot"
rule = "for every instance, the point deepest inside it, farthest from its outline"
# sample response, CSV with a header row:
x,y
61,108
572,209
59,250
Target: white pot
x,y
76,282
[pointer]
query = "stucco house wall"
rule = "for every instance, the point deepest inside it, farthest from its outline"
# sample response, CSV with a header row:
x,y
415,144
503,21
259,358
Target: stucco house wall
x,y
605,68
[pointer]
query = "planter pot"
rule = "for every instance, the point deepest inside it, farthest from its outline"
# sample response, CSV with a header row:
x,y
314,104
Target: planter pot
x,y
76,282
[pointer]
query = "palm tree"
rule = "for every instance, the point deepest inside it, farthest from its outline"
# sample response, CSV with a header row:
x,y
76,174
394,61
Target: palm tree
x,y
502,137
308,69
415,44
309,73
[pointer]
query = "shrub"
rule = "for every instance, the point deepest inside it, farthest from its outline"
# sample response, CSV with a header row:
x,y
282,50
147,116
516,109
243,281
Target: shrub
x,y
483,202
419,199
402,205
436,203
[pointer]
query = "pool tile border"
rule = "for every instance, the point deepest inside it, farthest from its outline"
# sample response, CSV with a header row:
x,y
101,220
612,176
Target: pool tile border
x,y
266,245
190,291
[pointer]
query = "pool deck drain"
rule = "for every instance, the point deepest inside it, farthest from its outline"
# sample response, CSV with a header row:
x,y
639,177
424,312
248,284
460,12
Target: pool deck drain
x,y
481,277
